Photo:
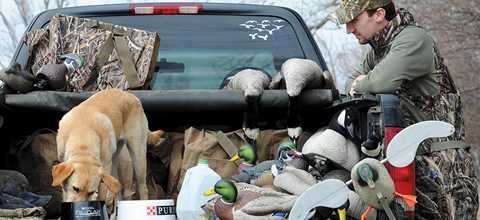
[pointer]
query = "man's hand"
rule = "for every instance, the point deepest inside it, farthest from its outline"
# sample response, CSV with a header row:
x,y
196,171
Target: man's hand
x,y
354,84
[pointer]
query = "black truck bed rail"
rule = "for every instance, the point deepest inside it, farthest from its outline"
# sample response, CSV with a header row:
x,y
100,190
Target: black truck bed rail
x,y
173,100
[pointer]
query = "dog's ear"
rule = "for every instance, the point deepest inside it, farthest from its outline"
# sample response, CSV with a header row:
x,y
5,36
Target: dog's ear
x,y
112,183
60,173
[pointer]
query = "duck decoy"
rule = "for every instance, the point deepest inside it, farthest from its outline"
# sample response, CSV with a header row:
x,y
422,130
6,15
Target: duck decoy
x,y
260,174
52,76
400,152
245,201
231,198
374,185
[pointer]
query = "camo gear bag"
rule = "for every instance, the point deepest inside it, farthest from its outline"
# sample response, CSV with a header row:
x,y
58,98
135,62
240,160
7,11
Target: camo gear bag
x,y
37,213
114,56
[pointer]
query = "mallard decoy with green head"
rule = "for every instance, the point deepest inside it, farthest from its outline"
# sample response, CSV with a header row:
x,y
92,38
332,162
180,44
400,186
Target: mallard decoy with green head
x,y
250,172
231,199
245,201
247,154
375,187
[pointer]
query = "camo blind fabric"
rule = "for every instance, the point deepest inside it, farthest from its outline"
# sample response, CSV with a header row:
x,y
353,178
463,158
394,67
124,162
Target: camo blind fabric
x,y
98,43
446,183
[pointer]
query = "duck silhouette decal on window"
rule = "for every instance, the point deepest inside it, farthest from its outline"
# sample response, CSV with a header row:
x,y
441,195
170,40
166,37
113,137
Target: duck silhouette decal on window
x,y
262,29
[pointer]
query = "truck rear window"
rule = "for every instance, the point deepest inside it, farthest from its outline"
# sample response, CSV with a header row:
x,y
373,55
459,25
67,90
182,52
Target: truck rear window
x,y
198,51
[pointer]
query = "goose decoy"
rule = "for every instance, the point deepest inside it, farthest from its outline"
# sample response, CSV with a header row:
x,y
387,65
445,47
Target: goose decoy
x,y
295,75
333,145
342,175
340,212
17,78
372,147
251,81
400,152
231,198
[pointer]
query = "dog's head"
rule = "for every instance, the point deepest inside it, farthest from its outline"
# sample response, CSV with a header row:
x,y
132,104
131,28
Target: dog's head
x,y
80,180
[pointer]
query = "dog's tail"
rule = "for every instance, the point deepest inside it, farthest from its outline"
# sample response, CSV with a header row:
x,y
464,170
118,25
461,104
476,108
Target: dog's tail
x,y
154,137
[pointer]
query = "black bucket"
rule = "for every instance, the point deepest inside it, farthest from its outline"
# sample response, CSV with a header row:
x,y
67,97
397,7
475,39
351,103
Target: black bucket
x,y
91,210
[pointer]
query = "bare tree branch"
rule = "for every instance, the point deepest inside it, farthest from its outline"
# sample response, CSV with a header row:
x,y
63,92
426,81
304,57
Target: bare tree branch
x,y
327,53
21,17
320,22
59,3
23,10
62,3
7,50
10,29
46,3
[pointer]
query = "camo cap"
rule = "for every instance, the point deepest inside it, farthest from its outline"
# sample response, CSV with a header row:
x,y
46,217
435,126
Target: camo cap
x,y
349,9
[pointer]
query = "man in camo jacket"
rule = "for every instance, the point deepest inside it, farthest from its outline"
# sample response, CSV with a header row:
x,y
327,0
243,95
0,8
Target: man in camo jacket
x,y
405,61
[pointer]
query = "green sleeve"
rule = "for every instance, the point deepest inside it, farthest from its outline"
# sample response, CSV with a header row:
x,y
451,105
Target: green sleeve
x,y
410,57
361,69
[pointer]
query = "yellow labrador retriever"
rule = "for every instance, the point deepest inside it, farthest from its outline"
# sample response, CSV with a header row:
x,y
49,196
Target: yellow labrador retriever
x,y
90,138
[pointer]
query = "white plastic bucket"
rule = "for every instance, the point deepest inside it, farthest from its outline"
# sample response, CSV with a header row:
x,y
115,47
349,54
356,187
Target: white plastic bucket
x,y
146,209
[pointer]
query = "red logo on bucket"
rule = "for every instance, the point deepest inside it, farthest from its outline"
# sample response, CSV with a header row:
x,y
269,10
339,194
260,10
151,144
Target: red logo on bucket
x,y
160,210
151,210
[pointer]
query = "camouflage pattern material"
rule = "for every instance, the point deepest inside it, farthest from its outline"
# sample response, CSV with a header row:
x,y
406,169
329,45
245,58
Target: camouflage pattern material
x,y
36,213
445,177
349,9
143,47
209,209
446,185
38,45
98,43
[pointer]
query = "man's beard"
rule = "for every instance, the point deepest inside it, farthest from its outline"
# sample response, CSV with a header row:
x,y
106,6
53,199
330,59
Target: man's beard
x,y
363,42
